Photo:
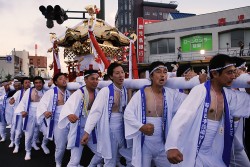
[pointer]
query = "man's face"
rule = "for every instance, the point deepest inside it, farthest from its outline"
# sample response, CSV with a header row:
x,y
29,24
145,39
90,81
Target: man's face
x,y
17,86
118,75
159,76
92,81
7,87
26,84
227,76
38,84
61,81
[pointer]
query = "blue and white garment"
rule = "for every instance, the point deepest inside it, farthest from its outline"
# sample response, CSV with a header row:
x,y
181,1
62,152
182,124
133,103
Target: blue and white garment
x,y
184,133
133,117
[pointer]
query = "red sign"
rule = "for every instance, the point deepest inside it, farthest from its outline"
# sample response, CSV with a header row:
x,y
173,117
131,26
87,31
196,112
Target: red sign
x,y
222,21
241,18
151,21
140,39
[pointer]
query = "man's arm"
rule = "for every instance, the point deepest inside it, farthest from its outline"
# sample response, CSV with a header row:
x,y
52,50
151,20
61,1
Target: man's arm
x,y
70,110
182,122
45,105
132,120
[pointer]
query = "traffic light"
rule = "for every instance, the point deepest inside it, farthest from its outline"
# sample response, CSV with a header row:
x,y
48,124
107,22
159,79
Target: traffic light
x,y
59,14
56,13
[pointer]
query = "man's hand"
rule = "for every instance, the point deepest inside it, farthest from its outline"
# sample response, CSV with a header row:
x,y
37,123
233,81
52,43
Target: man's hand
x,y
147,129
24,114
85,139
47,114
12,101
174,156
72,118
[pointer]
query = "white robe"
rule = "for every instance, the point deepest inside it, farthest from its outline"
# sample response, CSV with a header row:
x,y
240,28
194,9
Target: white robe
x,y
72,106
16,97
99,117
46,104
184,129
133,120
23,105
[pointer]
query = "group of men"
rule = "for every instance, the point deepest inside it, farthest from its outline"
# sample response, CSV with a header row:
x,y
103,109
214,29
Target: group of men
x,y
158,126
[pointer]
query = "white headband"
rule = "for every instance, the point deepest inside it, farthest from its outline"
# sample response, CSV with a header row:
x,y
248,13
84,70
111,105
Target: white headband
x,y
242,65
219,68
156,68
89,74
187,70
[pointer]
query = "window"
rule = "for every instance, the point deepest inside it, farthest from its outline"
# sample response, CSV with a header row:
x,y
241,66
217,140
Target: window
x,y
161,46
121,19
129,18
236,37
147,13
125,5
126,19
154,13
160,13
165,16
31,61
153,47
130,4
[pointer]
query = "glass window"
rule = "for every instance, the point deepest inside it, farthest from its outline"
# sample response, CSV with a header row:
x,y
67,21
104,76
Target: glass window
x,y
130,4
162,46
126,19
121,16
125,5
153,47
154,13
171,45
147,13
165,16
129,18
236,37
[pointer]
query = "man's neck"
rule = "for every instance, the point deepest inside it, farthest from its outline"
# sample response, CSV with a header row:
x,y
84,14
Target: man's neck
x,y
118,86
157,89
216,86
62,88
90,90
38,89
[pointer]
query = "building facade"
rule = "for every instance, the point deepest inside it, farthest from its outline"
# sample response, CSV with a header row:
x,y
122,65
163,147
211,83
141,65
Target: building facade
x,y
129,10
199,36
38,66
14,64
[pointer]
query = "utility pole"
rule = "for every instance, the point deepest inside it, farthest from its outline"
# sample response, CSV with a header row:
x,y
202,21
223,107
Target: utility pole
x,y
101,15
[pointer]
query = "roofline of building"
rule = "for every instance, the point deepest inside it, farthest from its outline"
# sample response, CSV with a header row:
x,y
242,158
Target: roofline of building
x,y
160,5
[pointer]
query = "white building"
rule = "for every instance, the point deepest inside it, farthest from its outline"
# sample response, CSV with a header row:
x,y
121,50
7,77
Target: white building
x,y
15,64
218,32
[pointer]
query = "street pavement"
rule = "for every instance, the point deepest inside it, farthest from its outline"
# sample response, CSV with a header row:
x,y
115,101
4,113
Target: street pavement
x,y
38,158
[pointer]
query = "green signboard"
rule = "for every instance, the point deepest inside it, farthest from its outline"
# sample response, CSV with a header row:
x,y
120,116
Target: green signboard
x,y
196,43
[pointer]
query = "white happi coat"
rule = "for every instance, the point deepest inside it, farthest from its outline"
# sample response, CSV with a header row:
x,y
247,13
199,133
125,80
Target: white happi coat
x,y
44,105
16,97
9,111
23,105
72,106
133,119
184,129
99,116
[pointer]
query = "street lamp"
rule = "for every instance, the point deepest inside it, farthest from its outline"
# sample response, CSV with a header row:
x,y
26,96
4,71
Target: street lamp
x,y
202,52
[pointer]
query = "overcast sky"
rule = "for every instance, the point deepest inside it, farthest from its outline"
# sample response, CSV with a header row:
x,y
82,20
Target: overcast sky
x,y
23,25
